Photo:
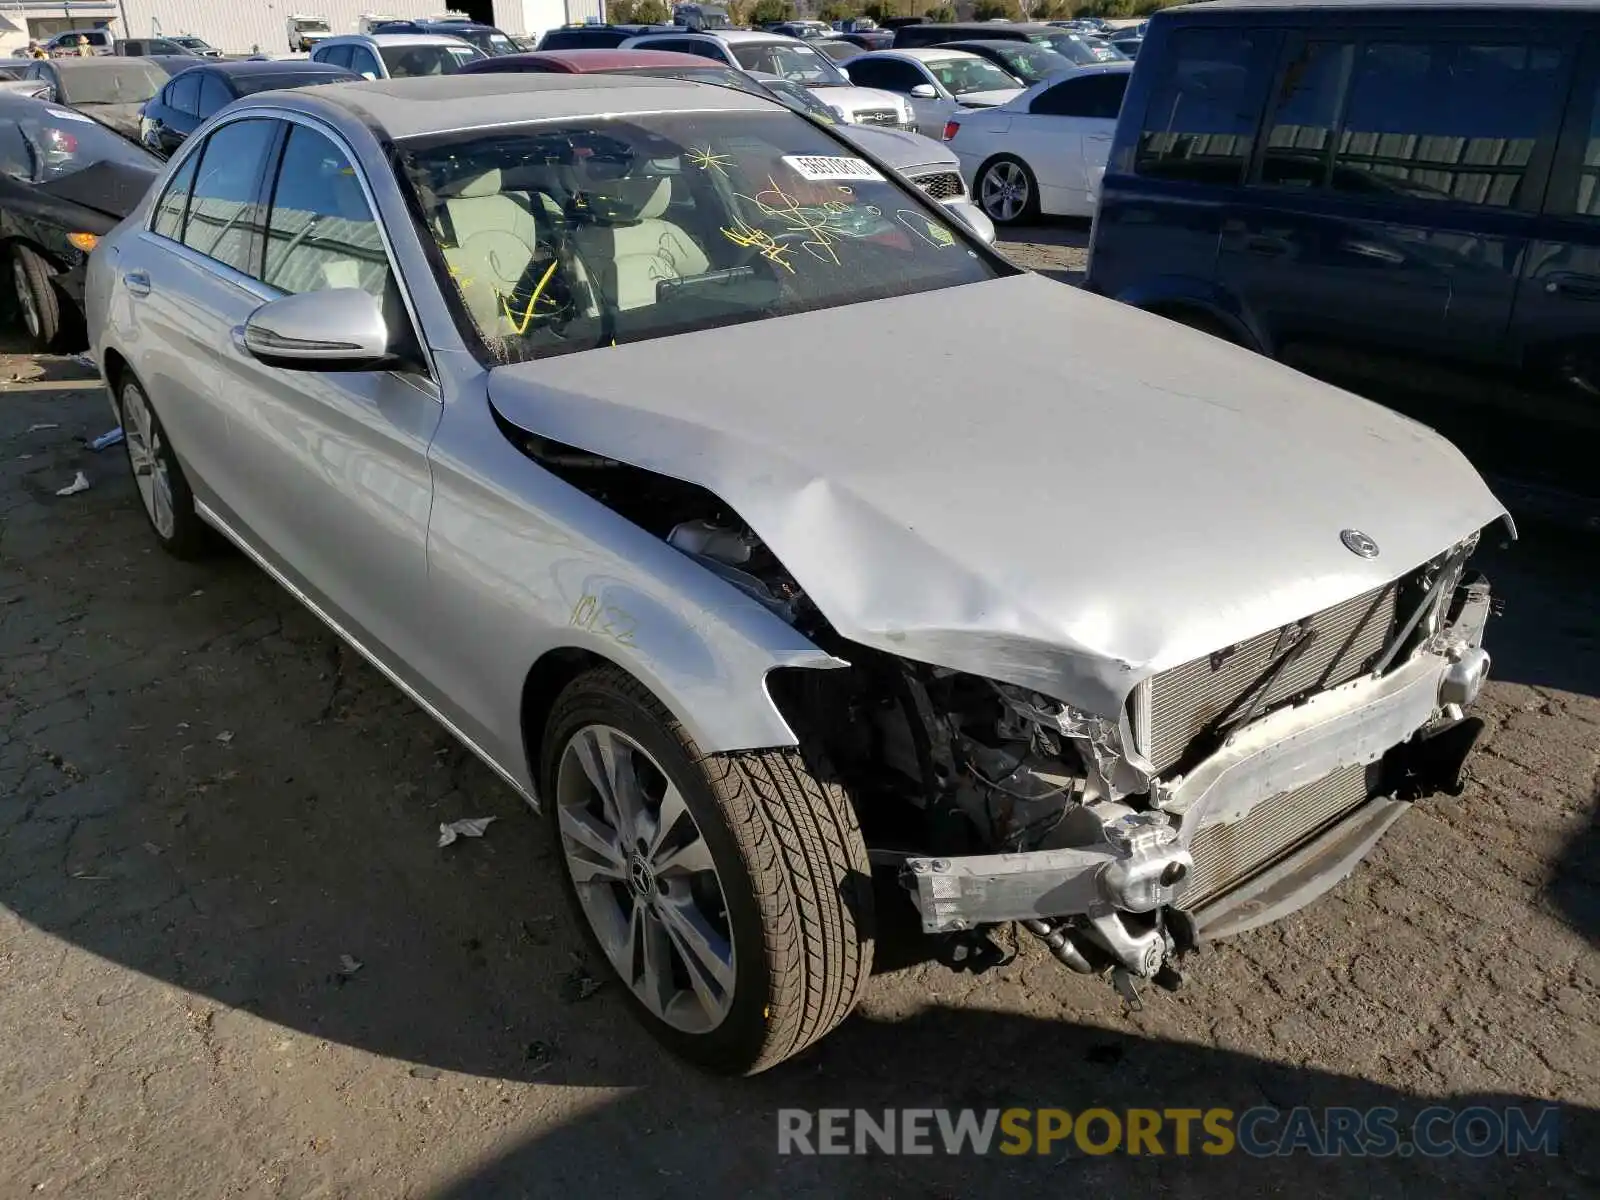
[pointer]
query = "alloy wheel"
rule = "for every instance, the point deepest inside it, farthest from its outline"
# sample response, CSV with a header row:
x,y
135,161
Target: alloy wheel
x,y
1004,191
645,878
147,458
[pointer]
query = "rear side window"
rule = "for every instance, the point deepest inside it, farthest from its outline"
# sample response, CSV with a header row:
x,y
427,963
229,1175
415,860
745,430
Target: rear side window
x,y
224,218
1201,120
338,56
1446,121
1095,97
174,201
1305,115
582,39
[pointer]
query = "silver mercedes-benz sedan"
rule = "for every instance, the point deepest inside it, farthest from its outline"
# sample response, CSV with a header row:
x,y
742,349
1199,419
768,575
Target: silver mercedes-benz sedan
x,y
510,380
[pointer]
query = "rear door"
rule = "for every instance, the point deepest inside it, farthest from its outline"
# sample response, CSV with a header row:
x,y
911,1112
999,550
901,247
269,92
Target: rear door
x,y
1555,328
188,282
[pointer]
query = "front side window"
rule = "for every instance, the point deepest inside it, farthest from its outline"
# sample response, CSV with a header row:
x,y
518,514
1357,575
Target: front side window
x,y
1446,121
1305,115
407,62
799,63
1200,124
964,76
224,218
363,63
183,94
568,237
321,233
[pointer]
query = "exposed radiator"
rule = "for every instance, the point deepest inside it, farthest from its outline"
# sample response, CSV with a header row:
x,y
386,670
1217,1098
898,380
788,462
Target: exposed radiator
x,y
1228,854
1189,699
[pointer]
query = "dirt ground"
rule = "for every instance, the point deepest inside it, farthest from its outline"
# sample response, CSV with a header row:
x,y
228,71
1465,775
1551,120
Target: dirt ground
x,y
233,961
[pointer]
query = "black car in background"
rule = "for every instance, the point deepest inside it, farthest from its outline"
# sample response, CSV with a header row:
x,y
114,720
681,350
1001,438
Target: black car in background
x,y
191,96
1401,197
596,37
65,180
491,41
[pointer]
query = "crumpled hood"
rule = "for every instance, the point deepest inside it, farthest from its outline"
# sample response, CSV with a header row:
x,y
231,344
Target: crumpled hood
x,y
1021,480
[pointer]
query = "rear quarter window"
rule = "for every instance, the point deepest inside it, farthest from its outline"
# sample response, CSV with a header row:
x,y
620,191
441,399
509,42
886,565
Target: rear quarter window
x,y
1199,124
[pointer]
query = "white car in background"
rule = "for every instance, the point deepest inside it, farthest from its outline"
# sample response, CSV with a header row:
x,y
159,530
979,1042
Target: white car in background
x,y
789,58
938,83
396,55
1045,151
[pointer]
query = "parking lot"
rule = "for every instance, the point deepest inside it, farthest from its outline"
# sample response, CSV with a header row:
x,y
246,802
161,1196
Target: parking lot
x,y
233,960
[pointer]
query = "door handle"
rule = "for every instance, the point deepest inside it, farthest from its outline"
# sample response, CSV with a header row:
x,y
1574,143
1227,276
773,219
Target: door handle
x,y
137,283
1372,250
1267,245
1579,287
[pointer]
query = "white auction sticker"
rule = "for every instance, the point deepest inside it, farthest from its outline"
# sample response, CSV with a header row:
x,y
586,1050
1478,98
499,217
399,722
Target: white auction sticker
x,y
820,168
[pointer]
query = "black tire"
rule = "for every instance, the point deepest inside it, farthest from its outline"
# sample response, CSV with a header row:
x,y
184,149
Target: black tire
x,y
38,302
1029,208
1204,322
790,861
189,537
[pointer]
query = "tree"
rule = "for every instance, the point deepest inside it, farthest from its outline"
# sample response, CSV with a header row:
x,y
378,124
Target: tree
x,y
837,10
649,12
770,12
620,12
989,10
942,15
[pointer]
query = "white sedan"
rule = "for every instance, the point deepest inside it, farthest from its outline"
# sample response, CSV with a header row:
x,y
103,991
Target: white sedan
x,y
1045,151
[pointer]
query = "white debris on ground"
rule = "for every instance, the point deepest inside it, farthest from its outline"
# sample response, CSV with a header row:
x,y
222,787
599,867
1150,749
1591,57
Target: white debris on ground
x,y
472,827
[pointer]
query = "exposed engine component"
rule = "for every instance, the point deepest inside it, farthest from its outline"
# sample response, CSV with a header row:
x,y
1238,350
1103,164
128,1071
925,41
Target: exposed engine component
x,y
723,550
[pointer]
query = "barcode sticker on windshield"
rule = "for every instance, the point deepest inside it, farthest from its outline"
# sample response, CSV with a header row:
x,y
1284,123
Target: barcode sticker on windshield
x,y
819,168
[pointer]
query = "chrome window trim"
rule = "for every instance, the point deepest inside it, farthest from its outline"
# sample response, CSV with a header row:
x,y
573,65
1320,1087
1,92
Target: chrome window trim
x,y
261,288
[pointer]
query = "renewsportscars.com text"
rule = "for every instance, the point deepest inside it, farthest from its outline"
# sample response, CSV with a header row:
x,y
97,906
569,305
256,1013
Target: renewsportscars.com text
x,y
1475,1132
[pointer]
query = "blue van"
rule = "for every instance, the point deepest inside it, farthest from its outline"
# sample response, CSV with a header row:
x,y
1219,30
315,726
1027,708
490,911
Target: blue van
x,y
1400,197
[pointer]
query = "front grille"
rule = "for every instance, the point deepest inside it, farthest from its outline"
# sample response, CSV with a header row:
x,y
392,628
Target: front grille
x,y
877,116
941,185
1225,855
1193,698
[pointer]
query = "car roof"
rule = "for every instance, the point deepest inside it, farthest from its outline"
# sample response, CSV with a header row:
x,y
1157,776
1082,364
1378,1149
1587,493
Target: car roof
x,y
269,66
990,44
919,54
99,62
406,108
392,39
751,35
596,59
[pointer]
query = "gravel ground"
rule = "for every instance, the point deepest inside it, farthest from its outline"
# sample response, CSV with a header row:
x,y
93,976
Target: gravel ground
x,y
233,961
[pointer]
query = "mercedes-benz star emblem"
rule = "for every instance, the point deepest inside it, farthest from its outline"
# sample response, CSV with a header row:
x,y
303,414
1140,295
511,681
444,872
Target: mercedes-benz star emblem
x,y
1359,543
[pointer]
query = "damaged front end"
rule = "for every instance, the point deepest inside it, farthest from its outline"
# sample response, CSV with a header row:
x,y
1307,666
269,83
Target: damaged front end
x,y
1226,791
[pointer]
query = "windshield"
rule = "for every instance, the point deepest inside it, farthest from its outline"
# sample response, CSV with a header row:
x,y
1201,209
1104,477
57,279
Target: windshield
x,y
40,143
801,99
193,43
311,27
962,76
107,81
1032,64
632,228
799,63
404,62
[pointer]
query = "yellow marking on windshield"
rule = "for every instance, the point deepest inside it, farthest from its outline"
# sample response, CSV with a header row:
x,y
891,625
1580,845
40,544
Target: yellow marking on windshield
x,y
533,301
708,161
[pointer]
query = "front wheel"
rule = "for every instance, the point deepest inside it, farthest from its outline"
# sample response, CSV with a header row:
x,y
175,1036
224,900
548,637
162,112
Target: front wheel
x,y
729,893
37,302
1007,191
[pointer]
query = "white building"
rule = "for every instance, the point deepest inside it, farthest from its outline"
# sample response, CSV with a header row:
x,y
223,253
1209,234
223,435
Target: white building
x,y
242,27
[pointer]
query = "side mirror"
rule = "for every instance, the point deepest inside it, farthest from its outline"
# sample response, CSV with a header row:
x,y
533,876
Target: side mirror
x,y
924,91
976,220
341,329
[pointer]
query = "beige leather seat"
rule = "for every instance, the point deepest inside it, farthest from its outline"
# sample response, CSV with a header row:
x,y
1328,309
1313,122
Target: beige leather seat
x,y
630,258
489,240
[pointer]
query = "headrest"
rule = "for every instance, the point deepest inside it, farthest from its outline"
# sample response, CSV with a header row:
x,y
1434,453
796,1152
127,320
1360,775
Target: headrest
x,y
473,186
656,207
